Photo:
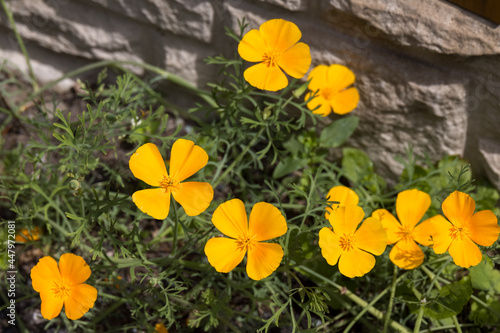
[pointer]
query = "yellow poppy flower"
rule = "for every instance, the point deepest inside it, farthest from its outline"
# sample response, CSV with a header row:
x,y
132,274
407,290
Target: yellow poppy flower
x,y
186,159
24,235
352,249
463,230
332,83
160,328
266,222
411,206
274,46
63,284
343,195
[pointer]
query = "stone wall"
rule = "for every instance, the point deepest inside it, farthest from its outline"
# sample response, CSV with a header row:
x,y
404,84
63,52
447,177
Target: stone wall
x,y
427,71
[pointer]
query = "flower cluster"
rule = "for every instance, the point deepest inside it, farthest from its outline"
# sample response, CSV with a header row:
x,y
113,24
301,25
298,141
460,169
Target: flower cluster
x,y
275,48
458,234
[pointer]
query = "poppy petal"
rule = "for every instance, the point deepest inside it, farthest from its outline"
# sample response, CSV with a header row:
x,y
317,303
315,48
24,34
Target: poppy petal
x,y
73,268
371,236
343,195
147,164
223,254
231,218
424,232
324,106
356,263
464,252
266,77
390,224
458,207
411,205
318,78
252,46
80,301
44,273
194,197
263,259
345,101
345,220
279,35
406,254
484,229
266,222
154,202
441,239
51,304
296,60
329,243
186,159
339,77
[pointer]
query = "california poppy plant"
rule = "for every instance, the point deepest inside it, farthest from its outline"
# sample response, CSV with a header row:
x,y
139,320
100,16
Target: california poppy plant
x,y
353,249
63,285
276,49
411,205
463,229
343,195
334,92
186,159
266,222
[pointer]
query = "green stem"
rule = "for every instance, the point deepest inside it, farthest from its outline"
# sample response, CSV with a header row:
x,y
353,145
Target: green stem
x,y
21,44
419,319
238,158
353,297
391,299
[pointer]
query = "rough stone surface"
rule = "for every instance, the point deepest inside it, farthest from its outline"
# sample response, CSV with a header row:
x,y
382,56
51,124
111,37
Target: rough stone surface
x,y
427,71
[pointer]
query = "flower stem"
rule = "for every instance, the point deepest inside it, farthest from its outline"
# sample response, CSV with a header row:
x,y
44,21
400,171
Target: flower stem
x,y
238,158
391,299
416,329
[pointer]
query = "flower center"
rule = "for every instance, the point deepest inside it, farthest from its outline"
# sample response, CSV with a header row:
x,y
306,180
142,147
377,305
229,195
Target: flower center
x,y
404,234
245,243
271,58
61,289
170,185
459,232
326,93
347,242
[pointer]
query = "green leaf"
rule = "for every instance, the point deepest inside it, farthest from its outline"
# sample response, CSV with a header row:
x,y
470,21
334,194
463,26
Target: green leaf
x,y
338,132
289,165
451,299
355,164
485,277
358,168
294,146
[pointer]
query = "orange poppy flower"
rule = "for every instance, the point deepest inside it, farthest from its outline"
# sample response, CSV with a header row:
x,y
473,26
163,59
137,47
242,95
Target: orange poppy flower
x,y
352,248
63,285
186,159
332,83
276,49
24,235
343,195
411,206
266,222
463,229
